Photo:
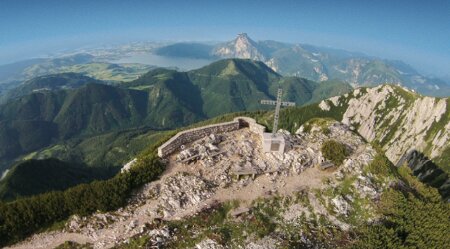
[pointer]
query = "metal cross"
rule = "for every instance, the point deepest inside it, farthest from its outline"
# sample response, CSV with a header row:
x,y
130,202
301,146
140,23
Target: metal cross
x,y
278,103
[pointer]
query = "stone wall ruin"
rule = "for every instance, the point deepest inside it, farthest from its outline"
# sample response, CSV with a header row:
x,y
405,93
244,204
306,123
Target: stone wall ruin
x,y
188,136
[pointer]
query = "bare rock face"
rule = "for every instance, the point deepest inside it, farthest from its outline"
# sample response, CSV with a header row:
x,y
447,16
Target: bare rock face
x,y
264,243
74,223
242,47
159,237
324,105
208,244
182,191
128,165
362,111
398,119
440,141
341,206
419,118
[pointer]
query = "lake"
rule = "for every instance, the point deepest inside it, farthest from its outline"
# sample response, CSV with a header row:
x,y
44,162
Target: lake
x,y
183,64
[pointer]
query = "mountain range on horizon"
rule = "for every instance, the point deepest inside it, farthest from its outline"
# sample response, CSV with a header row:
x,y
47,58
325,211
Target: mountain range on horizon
x,y
302,60
314,63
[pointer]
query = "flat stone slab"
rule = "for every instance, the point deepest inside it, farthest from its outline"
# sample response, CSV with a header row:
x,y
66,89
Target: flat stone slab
x,y
238,211
326,165
245,172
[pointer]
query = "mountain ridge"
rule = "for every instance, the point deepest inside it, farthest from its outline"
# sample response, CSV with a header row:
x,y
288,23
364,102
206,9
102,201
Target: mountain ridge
x,y
321,64
161,99
48,83
394,118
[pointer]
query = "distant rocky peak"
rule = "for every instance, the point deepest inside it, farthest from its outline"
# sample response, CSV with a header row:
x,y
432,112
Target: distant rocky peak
x,y
243,37
242,47
243,41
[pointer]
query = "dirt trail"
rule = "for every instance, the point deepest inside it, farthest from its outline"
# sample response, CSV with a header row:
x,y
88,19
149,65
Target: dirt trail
x,y
51,240
309,178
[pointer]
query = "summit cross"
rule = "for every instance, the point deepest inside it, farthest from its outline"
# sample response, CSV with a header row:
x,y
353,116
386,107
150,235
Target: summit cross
x,y
278,104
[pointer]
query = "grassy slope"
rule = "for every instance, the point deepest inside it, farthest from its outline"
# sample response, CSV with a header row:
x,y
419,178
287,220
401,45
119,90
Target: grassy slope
x,y
37,120
109,149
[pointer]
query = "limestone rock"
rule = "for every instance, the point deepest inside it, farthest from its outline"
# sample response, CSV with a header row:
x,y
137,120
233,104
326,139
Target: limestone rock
x,y
401,123
183,190
341,206
128,165
159,237
208,244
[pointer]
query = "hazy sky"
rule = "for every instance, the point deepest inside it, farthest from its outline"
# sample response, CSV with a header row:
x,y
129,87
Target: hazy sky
x,y
417,32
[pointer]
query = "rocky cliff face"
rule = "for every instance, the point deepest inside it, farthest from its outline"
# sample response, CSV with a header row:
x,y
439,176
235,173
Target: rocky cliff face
x,y
242,47
428,172
397,119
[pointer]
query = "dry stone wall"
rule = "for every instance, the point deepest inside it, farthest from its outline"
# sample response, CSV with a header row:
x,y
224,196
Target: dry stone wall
x,y
252,125
191,135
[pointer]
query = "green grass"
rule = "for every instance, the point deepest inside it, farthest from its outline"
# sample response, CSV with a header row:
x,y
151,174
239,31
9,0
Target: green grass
x,y
212,223
361,211
381,166
322,123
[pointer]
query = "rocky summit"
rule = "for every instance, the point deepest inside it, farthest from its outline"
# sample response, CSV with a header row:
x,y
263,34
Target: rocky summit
x,y
342,178
231,168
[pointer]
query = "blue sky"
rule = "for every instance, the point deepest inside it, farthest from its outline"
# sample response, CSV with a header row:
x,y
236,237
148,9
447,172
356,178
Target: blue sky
x,y
417,32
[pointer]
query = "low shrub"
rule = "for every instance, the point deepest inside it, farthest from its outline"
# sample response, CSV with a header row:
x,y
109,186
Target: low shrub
x,y
334,151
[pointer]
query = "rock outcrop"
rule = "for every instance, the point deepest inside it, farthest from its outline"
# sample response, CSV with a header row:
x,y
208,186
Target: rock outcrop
x,y
232,168
397,119
426,171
